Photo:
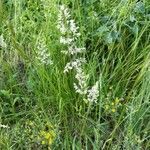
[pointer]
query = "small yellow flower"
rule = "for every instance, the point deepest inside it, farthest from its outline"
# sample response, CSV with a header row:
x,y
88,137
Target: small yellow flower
x,y
117,100
112,103
113,110
47,136
43,142
50,141
106,107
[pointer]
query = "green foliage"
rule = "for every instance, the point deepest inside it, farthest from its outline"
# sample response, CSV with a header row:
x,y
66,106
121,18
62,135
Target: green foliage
x,y
38,104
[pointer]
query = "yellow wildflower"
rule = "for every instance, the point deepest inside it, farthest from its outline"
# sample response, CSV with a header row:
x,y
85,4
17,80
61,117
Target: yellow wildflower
x,y
43,142
106,107
113,110
112,103
117,100
47,136
50,141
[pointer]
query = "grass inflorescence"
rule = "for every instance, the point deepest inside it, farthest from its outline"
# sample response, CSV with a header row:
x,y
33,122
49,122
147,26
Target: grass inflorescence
x,y
74,74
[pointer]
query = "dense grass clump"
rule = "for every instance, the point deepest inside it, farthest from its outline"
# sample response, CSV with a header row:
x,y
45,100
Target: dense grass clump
x,y
74,74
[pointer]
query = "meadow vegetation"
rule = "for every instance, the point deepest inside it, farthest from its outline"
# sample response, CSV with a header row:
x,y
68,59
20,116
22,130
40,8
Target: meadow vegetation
x,y
74,74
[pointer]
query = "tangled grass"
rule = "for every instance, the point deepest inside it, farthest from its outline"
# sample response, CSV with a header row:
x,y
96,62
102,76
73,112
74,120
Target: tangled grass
x,y
74,74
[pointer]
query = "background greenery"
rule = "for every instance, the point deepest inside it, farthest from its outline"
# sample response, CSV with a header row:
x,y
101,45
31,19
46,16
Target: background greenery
x,y
35,99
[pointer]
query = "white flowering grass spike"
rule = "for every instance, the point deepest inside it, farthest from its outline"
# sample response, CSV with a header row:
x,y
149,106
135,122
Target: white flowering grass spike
x,y
82,78
69,36
43,56
76,64
64,40
3,126
69,31
2,42
93,93
62,16
74,50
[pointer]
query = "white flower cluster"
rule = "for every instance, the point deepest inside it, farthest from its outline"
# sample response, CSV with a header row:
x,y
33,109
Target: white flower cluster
x,y
93,93
42,54
3,126
2,42
76,64
69,31
69,35
81,77
62,16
